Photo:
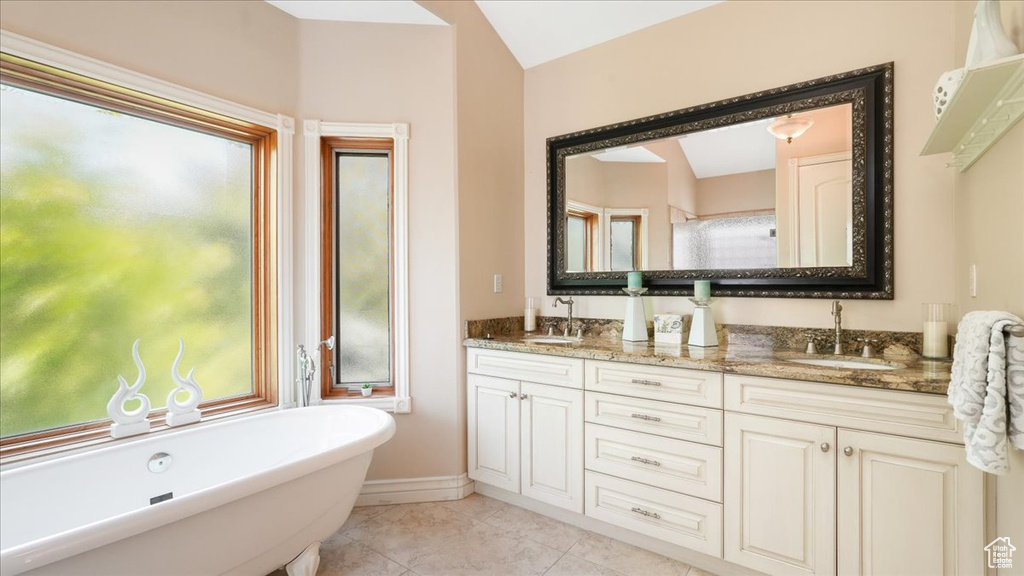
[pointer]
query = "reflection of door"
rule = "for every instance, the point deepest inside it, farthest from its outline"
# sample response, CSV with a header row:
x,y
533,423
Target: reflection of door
x,y
824,212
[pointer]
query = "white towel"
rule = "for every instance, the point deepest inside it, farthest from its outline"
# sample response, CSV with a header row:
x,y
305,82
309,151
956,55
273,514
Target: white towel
x,y
987,388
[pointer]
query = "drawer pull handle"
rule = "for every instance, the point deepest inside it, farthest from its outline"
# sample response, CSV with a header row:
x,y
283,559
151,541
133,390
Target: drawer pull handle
x,y
645,461
648,513
645,417
645,382
512,394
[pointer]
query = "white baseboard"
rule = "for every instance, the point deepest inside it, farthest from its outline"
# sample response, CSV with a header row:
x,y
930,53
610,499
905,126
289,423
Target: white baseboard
x,y
412,490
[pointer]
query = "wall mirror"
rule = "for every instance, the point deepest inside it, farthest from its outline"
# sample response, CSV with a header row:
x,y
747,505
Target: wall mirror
x,y
780,193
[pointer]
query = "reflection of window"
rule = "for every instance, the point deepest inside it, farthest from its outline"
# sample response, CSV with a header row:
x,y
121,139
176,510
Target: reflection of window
x,y
737,243
582,238
626,245
124,217
625,242
357,264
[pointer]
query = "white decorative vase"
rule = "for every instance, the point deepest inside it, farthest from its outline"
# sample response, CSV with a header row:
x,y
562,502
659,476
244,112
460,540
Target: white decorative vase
x,y
988,37
186,412
129,422
945,88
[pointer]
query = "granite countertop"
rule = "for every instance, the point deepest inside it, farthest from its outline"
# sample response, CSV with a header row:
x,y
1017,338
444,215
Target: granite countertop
x,y
748,357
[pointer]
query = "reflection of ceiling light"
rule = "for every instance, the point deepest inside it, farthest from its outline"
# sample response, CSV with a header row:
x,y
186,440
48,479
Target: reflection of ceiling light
x,y
789,127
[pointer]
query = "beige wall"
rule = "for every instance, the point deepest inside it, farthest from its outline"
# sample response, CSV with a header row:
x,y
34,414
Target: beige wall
x,y
585,181
245,52
736,193
682,183
989,234
643,185
489,139
404,73
725,51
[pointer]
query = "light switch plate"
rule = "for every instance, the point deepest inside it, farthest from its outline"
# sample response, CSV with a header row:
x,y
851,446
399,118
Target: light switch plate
x,y
497,283
972,280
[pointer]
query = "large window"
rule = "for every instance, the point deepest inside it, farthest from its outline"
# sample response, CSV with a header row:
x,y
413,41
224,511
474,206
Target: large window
x,y
356,265
124,216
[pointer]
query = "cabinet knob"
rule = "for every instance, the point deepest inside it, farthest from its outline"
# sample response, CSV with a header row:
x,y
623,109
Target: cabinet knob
x,y
522,396
848,451
512,394
825,447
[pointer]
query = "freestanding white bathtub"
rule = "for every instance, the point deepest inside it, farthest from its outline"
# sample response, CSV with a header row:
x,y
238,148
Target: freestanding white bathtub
x,y
248,495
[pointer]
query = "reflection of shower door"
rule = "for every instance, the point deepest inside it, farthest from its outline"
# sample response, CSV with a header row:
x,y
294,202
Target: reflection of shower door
x,y
825,209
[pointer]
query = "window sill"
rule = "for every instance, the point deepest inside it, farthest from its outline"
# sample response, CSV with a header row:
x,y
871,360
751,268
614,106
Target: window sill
x,y
394,404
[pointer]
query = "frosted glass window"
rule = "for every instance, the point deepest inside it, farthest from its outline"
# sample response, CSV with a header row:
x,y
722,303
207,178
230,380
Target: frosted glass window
x,y
363,269
576,244
725,243
113,228
623,238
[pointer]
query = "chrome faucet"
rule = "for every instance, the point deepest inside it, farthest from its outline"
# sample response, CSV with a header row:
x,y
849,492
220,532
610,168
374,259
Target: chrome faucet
x,y
568,322
837,313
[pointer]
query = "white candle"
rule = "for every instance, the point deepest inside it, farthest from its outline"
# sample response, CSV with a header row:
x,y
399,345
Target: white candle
x,y
936,339
530,319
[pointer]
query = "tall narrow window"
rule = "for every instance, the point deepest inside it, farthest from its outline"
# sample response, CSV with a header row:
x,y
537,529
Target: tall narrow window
x,y
357,266
625,243
582,238
124,217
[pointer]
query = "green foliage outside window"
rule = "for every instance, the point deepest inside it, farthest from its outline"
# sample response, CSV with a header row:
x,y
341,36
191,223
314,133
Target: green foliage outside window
x,y
113,228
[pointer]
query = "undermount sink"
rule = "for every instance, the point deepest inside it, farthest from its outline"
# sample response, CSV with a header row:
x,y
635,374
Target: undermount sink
x,y
551,340
850,364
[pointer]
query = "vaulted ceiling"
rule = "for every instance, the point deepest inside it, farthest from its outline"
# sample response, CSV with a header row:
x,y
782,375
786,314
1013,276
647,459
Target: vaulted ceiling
x,y
535,31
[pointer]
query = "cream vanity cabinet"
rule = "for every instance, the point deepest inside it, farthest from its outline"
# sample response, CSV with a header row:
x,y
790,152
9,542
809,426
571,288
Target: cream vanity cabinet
x,y
525,423
783,477
808,466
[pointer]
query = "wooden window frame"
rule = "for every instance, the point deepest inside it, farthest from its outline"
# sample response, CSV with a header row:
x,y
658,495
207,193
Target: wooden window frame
x,y
329,146
31,75
591,223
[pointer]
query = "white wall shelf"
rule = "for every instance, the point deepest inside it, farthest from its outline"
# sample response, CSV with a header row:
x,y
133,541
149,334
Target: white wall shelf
x,y
989,101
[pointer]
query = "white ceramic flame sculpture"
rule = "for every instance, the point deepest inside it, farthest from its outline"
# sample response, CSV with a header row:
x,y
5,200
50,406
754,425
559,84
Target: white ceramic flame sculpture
x,y
181,413
129,422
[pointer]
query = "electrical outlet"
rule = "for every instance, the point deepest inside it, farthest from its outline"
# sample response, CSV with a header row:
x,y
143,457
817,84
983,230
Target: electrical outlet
x,y
497,283
972,280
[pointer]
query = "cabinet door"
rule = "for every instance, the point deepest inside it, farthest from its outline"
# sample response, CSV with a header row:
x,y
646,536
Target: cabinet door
x,y
780,495
493,431
552,445
908,507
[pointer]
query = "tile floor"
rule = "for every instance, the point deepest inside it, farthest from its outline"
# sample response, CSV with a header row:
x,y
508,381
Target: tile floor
x,y
479,536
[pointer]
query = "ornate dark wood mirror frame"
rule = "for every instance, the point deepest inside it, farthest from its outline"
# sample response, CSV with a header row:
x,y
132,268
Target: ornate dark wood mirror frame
x,y
868,90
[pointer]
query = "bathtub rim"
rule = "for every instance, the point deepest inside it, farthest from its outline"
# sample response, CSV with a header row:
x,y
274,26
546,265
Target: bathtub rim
x,y
62,545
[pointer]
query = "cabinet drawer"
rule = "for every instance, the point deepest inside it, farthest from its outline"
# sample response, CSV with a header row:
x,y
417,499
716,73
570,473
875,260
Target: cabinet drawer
x,y
678,421
655,382
529,367
684,467
927,416
674,518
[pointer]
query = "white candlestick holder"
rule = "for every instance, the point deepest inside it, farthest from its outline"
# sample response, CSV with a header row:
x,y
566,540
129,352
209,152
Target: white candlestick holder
x,y
702,328
634,328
